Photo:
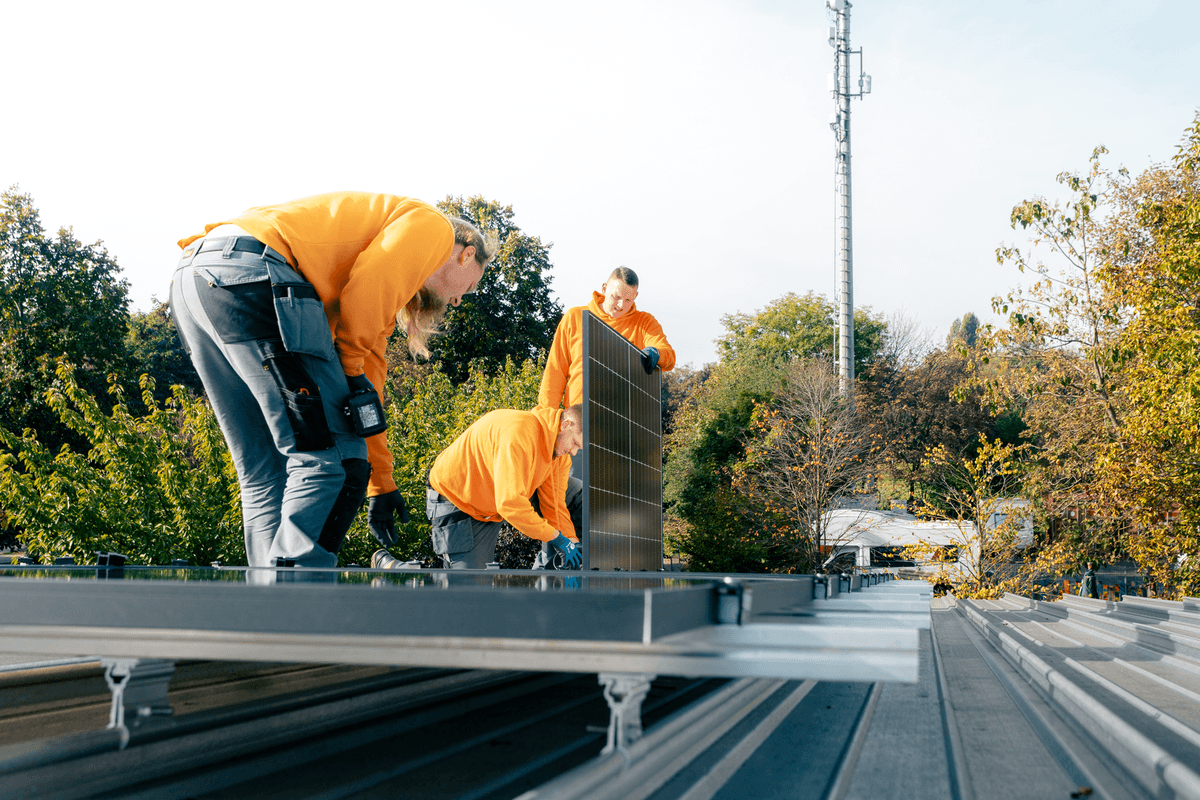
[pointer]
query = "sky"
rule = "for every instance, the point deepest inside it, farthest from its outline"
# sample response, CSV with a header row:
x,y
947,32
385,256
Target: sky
x,y
686,139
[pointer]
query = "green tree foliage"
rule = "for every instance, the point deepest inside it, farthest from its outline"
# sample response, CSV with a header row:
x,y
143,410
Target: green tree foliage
x,y
712,524
511,314
1099,357
709,523
425,416
155,487
796,326
154,349
677,386
963,331
58,297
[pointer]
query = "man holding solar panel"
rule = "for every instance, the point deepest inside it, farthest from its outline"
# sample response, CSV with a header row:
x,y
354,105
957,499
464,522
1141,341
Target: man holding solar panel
x,y
562,381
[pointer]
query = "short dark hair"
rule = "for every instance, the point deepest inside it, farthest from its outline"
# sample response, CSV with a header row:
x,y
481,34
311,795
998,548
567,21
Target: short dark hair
x,y
625,275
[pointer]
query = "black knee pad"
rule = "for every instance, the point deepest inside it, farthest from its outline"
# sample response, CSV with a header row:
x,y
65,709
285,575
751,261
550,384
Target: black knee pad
x,y
345,508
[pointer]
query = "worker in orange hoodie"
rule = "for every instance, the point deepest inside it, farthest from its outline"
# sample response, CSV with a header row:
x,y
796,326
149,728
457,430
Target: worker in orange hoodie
x,y
562,380
285,311
491,474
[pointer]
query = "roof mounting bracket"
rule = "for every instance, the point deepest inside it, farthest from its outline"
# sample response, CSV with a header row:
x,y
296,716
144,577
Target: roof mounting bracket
x,y
624,692
138,685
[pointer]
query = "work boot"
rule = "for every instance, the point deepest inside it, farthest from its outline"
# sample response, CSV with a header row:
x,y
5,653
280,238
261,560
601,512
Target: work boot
x,y
382,559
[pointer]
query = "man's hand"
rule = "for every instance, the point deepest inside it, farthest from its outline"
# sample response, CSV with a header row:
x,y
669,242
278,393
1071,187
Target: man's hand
x,y
650,359
572,557
381,516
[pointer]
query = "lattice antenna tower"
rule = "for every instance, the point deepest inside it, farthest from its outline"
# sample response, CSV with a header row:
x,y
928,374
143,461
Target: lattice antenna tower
x,y
839,87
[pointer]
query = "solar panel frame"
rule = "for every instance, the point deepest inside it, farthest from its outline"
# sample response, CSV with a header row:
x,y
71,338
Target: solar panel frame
x,y
622,454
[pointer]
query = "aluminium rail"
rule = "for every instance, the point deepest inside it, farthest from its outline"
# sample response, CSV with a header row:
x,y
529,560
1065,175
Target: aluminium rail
x,y
738,626
628,627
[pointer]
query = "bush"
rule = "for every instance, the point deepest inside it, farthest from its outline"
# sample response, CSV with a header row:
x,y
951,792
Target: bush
x,y
156,487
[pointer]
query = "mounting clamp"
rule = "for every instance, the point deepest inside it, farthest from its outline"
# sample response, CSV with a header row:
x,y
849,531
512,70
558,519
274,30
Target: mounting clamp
x,y
624,692
138,685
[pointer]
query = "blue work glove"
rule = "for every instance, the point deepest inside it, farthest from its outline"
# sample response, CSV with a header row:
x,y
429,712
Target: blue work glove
x,y
649,359
381,516
572,558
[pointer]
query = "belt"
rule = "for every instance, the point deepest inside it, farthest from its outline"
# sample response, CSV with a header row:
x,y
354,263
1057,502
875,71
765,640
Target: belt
x,y
242,244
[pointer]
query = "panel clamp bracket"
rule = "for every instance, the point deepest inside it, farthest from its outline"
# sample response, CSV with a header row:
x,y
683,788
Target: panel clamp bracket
x,y
139,686
624,692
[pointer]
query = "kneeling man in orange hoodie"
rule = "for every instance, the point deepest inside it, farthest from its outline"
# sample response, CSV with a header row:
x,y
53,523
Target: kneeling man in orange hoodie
x,y
489,474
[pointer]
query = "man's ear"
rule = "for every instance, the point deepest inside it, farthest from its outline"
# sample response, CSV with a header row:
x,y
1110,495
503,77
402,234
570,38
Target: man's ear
x,y
468,252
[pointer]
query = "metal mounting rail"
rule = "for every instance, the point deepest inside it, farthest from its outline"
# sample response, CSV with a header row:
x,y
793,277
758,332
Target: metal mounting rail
x,y
604,623
1127,675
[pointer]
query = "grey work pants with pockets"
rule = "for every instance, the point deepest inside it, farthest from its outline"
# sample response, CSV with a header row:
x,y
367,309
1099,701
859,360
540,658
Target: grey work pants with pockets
x,y
258,336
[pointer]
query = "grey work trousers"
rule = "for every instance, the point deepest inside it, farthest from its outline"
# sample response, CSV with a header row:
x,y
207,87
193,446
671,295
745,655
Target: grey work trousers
x,y
258,336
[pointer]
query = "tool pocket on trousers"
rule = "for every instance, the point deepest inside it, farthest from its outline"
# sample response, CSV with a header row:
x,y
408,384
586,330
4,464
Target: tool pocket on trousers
x,y
456,536
301,397
238,305
303,325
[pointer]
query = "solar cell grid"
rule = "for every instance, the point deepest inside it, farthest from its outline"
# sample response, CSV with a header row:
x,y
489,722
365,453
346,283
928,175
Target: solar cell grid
x,y
623,445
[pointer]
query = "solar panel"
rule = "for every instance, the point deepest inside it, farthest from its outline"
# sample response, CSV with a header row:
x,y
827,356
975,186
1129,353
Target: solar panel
x,y
622,440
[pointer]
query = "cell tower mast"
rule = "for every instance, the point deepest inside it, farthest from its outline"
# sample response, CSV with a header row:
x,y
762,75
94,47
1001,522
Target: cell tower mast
x,y
839,121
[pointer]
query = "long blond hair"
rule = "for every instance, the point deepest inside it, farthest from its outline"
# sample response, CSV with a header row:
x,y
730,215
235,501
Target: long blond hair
x,y
421,318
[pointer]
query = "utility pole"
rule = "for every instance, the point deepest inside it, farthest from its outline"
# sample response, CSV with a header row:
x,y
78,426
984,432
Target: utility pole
x,y
839,121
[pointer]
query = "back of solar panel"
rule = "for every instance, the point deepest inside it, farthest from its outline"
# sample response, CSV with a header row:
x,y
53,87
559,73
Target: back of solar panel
x,y
622,454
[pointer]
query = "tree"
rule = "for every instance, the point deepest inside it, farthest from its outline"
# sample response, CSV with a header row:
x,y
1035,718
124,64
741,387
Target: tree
x,y
808,452
797,326
511,314
970,490
58,297
922,399
707,521
1057,363
963,331
677,386
711,523
1099,359
1155,464
154,349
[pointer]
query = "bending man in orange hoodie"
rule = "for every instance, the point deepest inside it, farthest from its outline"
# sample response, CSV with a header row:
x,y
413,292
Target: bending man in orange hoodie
x,y
285,311
489,475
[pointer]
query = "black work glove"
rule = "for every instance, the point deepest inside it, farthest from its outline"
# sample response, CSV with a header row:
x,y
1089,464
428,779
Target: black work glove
x,y
649,359
381,516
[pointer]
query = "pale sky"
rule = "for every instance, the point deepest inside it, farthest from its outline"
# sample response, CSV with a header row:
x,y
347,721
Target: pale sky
x,y
687,140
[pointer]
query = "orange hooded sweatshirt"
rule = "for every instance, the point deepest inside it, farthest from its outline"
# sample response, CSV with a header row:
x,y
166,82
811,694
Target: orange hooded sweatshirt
x,y
564,362
492,469
366,255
